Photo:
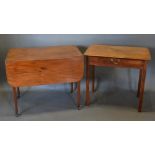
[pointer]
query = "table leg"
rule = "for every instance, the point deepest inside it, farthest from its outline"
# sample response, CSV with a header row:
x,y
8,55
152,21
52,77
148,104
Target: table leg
x,y
141,87
15,100
75,86
140,75
87,82
78,95
18,92
93,79
72,87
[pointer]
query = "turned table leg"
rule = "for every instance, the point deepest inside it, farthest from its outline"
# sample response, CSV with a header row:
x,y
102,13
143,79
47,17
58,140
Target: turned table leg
x,y
93,79
141,87
15,100
78,95
87,82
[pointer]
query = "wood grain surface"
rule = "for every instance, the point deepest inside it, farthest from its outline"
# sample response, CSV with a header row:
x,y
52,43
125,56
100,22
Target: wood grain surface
x,y
115,62
117,56
40,66
43,53
139,53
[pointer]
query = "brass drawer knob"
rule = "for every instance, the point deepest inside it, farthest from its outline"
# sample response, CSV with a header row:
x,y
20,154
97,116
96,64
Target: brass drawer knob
x,y
114,61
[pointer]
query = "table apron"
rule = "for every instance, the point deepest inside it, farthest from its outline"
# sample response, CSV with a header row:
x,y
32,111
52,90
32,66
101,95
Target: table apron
x,y
116,62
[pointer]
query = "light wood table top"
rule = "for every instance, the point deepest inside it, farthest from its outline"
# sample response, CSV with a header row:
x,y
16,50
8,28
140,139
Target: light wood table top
x,y
117,56
125,52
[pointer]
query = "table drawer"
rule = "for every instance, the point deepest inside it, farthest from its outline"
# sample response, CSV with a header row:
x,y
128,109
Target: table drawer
x,y
100,61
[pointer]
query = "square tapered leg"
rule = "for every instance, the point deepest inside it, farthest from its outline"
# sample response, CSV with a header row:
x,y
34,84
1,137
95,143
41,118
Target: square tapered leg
x,y
78,95
15,100
87,82
141,87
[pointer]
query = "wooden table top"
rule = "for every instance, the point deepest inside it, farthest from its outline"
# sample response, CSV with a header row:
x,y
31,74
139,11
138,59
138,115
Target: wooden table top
x,y
43,53
40,66
126,52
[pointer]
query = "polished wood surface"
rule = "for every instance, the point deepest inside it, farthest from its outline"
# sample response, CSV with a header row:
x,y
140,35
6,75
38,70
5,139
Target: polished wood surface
x,y
42,66
100,56
115,62
142,86
93,79
87,81
139,53
42,53
14,90
78,95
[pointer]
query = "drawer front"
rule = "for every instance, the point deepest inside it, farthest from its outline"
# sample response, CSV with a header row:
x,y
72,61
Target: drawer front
x,y
115,62
31,73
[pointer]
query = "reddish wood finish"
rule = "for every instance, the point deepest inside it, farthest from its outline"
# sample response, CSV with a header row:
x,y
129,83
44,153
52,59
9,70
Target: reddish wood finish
x,y
15,100
32,73
117,56
41,66
93,78
141,88
78,95
87,81
114,62
139,82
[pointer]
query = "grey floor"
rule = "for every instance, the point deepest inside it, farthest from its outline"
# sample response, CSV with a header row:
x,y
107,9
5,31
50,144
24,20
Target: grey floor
x,y
112,100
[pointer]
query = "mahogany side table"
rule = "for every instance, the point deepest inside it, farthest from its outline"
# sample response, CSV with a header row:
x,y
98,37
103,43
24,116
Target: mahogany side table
x,y
117,56
42,66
